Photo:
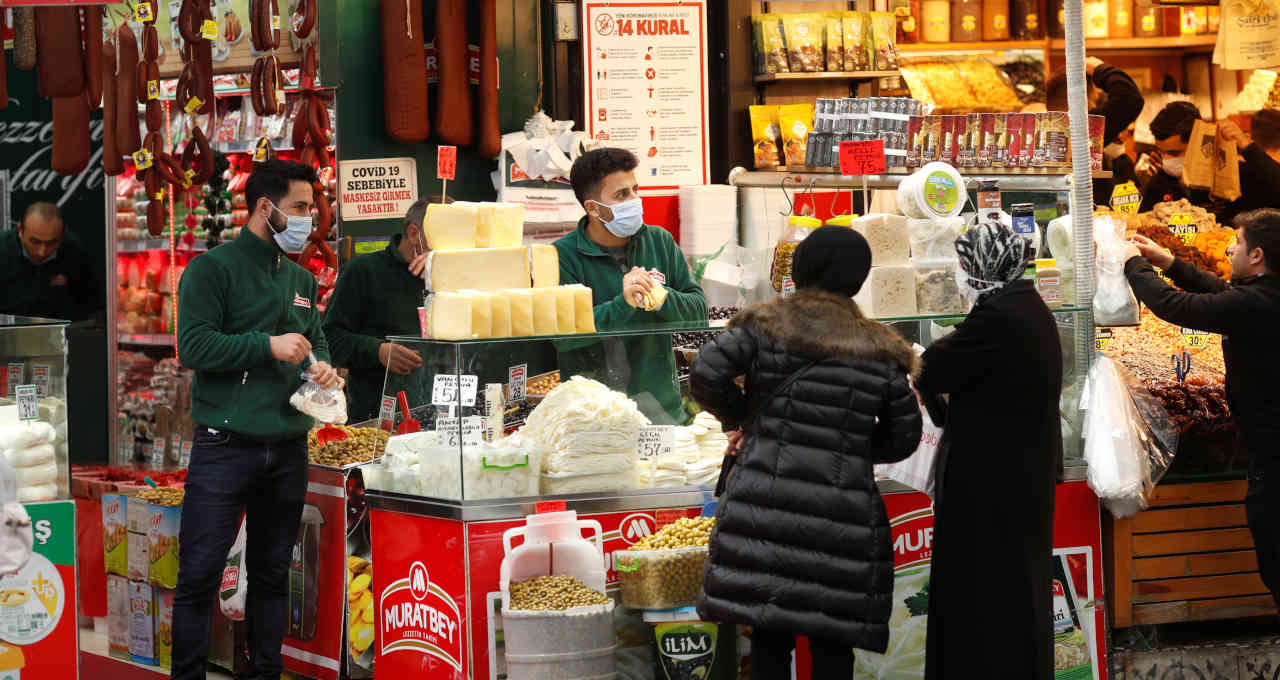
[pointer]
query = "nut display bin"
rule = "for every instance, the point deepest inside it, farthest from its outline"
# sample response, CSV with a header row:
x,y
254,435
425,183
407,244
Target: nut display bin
x,y
661,579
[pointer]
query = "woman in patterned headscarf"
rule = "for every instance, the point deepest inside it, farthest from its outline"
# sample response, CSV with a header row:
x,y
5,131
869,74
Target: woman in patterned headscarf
x,y
997,465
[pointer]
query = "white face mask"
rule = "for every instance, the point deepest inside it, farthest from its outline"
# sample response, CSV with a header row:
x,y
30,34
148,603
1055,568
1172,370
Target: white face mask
x,y
1173,166
296,230
971,294
628,217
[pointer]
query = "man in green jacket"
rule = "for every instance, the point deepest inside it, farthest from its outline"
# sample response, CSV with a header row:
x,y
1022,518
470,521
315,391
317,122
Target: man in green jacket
x,y
377,295
43,270
247,325
621,259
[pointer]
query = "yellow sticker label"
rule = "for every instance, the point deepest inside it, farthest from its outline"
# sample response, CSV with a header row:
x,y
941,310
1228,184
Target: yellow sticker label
x,y
142,11
209,29
1126,198
153,89
159,195
193,105
261,152
187,177
275,21
1102,339
142,159
1183,225
1194,339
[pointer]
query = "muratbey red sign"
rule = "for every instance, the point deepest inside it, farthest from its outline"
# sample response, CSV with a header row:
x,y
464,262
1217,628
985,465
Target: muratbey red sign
x,y
417,615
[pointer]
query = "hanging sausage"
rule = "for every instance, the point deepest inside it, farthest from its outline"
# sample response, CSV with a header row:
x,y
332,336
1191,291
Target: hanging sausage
x,y
453,119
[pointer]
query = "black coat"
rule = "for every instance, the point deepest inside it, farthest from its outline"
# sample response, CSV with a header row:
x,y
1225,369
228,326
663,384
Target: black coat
x,y
1247,315
993,514
802,540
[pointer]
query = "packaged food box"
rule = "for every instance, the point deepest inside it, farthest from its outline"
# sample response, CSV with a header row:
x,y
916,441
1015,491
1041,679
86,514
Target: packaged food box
x,y
142,623
162,542
889,292
115,533
887,236
660,579
118,616
164,627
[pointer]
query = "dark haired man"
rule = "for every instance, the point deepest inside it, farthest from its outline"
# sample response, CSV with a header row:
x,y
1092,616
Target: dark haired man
x,y
1112,94
1172,129
247,323
378,295
622,260
1247,314
43,270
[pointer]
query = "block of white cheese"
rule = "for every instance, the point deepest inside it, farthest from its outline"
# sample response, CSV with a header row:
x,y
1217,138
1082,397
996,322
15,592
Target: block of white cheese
x,y
888,237
584,311
451,226
486,269
566,319
521,306
449,317
545,265
481,313
546,320
500,315
500,225
889,292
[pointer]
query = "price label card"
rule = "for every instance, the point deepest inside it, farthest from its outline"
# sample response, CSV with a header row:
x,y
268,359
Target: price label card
x,y
452,432
142,159
175,443
1183,225
156,454
184,458
669,516
655,441
1194,339
209,30
142,12
188,177
446,162
16,376
788,286
28,402
387,413
153,89
543,507
262,151
40,378
1126,198
193,104
517,380
1102,338
447,389
862,158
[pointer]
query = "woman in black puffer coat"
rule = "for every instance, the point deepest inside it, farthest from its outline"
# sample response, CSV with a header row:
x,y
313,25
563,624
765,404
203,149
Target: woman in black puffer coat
x,y
801,544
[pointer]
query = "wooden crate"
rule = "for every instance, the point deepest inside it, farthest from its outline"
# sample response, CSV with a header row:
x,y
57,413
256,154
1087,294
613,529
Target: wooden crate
x,y
1188,557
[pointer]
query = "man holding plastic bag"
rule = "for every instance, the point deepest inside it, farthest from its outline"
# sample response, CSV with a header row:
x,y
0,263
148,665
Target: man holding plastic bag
x,y
1247,314
247,323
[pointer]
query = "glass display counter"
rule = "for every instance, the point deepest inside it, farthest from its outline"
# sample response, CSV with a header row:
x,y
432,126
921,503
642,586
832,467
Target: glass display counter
x,y
33,366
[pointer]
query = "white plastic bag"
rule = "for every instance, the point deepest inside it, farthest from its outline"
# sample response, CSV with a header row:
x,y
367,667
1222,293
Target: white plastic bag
x,y
234,588
1114,303
919,470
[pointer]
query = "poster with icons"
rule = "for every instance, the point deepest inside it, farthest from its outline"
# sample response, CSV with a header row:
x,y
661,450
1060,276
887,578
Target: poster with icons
x,y
38,603
646,87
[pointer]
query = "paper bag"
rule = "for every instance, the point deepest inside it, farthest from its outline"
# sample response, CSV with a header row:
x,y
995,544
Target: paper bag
x,y
1253,41
1226,173
1201,161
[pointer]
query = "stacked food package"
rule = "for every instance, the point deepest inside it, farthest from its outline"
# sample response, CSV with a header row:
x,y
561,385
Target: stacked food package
x,y
31,448
695,458
830,41
997,140
810,134
960,86
589,433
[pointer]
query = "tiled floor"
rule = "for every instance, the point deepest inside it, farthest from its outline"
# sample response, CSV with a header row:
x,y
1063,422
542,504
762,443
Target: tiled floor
x,y
1227,650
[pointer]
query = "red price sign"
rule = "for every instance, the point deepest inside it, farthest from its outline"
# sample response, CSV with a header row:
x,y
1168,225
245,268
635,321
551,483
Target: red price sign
x,y
665,517
446,162
549,506
862,158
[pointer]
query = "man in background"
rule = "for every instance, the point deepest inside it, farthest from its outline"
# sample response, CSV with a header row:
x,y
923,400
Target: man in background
x,y
1259,163
378,295
43,270
1113,95
1161,173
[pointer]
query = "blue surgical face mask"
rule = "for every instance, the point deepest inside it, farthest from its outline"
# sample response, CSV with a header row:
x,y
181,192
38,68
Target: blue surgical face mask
x,y
296,230
628,217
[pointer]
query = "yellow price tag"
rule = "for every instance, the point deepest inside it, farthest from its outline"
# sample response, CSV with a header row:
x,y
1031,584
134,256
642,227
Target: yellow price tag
x,y
142,11
142,159
1126,198
153,89
193,105
1183,225
1102,339
1194,339
187,177
209,29
159,195
275,22
260,153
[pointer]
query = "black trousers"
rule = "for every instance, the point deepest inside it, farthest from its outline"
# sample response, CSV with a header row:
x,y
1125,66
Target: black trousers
x,y
771,656
1262,507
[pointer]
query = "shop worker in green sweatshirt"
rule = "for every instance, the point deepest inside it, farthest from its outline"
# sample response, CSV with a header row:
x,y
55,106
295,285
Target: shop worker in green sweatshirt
x,y
378,295
621,259
249,328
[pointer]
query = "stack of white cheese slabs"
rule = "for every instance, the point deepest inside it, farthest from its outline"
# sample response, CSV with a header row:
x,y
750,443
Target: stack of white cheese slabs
x,y
588,433
29,448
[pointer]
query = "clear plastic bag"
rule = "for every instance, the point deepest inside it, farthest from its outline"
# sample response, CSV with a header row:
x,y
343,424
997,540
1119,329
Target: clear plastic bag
x,y
1126,455
328,406
798,227
1114,303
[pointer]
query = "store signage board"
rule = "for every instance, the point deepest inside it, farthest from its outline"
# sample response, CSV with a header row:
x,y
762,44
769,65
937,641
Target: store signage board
x,y
646,87
446,389
387,413
1193,339
377,188
184,458
865,157
28,403
1102,338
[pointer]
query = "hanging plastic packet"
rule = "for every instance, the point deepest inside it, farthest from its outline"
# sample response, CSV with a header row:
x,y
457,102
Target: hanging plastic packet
x,y
1114,303
326,405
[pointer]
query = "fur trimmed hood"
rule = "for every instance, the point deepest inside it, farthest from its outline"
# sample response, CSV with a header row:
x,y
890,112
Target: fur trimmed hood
x,y
819,324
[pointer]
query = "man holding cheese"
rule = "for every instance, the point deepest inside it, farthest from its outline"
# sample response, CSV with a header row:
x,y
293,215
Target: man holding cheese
x,y
638,278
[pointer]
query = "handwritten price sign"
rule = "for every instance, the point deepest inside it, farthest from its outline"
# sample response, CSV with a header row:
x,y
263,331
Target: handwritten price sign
x,y
654,441
446,162
862,158
446,390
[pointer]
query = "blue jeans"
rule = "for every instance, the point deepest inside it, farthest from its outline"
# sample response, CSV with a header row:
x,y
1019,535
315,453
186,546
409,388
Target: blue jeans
x,y
268,483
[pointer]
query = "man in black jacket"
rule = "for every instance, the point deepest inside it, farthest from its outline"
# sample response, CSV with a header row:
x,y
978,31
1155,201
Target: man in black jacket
x,y
1114,96
1172,129
1247,314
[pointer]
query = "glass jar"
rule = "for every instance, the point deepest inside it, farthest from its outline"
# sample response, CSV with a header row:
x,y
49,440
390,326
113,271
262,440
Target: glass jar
x,y
995,19
1146,19
1121,14
966,20
907,16
1026,21
937,20
1096,18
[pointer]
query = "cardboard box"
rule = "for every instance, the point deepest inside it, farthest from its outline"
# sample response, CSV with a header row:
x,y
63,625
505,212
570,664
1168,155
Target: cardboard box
x,y
142,623
115,533
118,617
164,627
162,541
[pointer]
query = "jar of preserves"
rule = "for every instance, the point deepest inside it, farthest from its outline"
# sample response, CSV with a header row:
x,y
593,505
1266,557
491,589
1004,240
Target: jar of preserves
x,y
1096,18
1026,23
937,20
966,18
1121,19
995,19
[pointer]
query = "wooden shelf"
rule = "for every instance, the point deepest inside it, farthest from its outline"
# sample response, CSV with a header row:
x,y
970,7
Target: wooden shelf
x,y
824,75
1172,42
997,46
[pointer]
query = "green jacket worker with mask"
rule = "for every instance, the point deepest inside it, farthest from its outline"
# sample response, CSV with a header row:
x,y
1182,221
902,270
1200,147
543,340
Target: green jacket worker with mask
x,y
43,271
378,295
621,259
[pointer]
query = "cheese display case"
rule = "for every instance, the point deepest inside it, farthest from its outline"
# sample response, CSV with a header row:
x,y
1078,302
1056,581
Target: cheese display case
x,y
33,361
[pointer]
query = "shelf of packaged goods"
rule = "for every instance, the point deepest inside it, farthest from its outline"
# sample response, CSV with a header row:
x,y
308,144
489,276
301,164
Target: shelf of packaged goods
x,y
1168,43
1052,179
145,339
248,145
148,244
824,75
992,46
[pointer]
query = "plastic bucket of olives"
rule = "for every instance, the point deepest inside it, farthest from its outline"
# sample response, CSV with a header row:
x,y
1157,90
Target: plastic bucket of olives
x,y
661,579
